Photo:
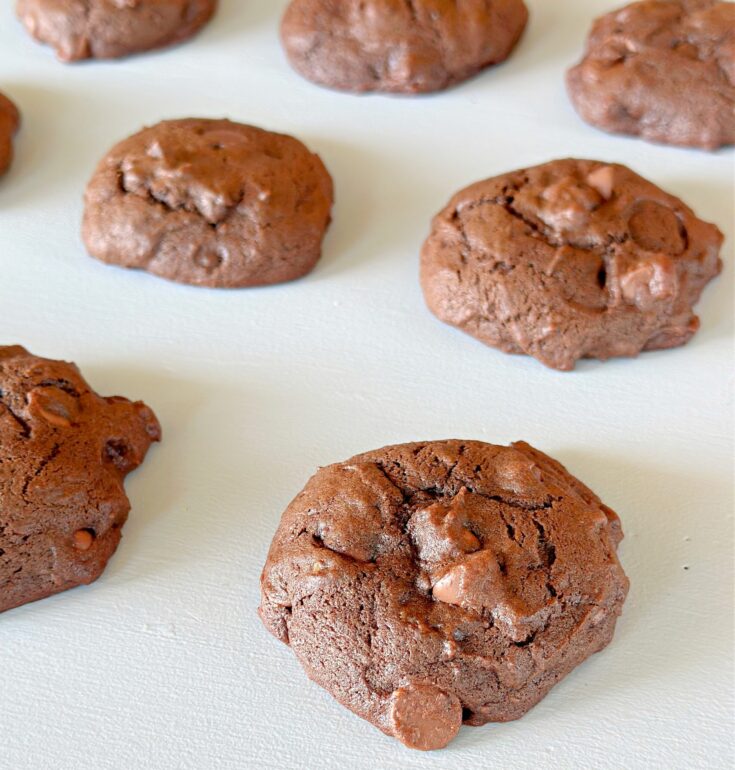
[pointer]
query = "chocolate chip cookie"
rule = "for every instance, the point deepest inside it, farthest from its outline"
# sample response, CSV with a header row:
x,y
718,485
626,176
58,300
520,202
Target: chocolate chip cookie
x,y
9,124
663,70
209,203
571,259
110,29
433,584
397,46
64,454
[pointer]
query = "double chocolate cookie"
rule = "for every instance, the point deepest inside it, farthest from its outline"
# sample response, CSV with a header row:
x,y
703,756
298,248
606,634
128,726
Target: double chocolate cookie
x,y
64,454
430,584
9,124
109,29
571,259
398,46
209,203
663,70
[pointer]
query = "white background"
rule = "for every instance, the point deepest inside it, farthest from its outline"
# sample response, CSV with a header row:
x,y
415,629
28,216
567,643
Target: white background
x,y
163,663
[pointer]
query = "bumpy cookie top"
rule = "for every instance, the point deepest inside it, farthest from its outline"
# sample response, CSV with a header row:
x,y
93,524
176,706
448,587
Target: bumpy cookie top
x,y
9,124
570,259
398,46
664,69
394,573
209,202
107,29
64,453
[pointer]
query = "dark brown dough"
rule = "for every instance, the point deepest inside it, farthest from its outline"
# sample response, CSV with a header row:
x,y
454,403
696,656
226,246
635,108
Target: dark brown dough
x,y
9,124
110,29
663,70
399,46
64,455
209,203
571,259
430,584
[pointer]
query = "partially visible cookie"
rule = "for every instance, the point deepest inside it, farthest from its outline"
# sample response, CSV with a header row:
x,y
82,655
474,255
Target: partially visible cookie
x,y
438,583
663,70
209,203
397,46
9,124
110,29
64,455
571,259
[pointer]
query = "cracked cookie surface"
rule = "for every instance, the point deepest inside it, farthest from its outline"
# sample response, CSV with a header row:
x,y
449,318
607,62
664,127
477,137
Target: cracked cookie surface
x,y
64,455
399,46
663,70
110,29
9,124
571,259
209,203
430,584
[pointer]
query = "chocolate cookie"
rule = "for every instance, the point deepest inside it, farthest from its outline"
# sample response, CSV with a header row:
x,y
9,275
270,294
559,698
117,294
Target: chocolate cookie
x,y
663,70
9,124
64,454
398,46
210,203
431,584
110,29
572,259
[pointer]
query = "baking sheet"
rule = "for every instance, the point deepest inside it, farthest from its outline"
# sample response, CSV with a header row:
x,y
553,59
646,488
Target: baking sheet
x,y
163,662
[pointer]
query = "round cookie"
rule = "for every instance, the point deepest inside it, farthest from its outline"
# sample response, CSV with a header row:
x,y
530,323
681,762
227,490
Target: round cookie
x,y
64,454
429,584
397,46
110,29
663,70
9,124
571,259
209,203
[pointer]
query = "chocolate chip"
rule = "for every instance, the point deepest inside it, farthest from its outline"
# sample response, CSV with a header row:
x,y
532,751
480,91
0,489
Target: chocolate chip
x,y
84,538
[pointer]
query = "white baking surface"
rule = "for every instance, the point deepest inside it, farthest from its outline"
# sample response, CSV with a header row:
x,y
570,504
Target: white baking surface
x,y
163,662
